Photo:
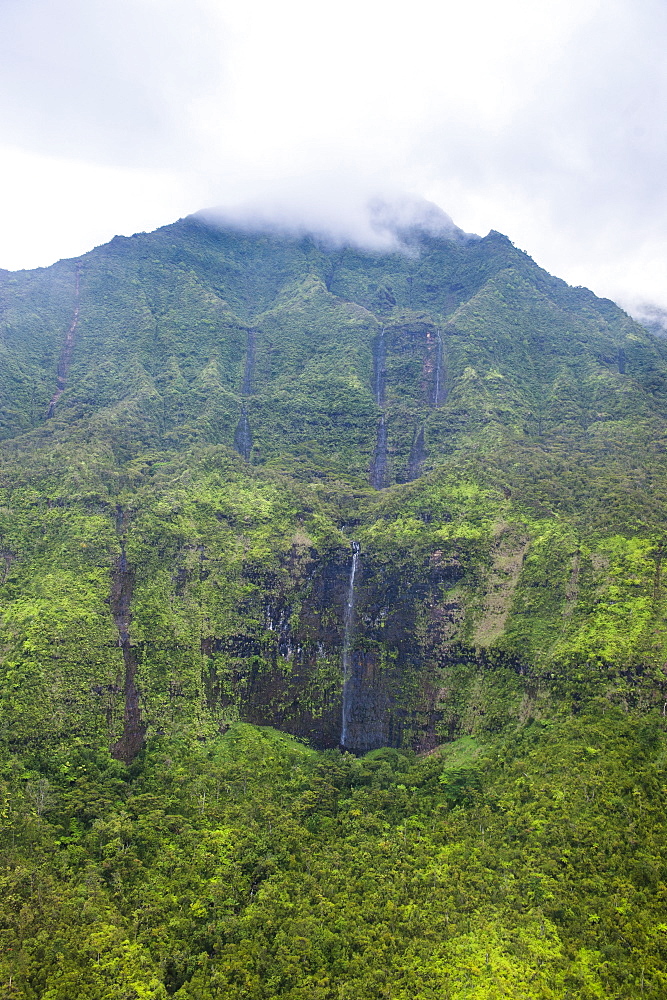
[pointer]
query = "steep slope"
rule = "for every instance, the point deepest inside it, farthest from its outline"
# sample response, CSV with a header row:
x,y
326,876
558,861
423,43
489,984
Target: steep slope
x,y
399,502
223,413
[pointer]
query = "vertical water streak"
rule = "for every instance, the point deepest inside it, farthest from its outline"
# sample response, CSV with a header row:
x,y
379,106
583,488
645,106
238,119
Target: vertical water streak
x,y
378,476
243,436
348,622
120,602
249,370
417,454
378,472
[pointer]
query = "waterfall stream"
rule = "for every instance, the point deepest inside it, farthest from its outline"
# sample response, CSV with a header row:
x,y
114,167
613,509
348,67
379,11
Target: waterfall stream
x,y
249,370
378,470
379,466
348,622
243,436
120,601
417,454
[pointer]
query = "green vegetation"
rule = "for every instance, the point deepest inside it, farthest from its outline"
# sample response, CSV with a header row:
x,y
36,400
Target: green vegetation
x,y
531,865
170,612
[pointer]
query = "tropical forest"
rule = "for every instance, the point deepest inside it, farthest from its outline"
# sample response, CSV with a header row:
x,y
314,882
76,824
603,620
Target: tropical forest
x,y
333,624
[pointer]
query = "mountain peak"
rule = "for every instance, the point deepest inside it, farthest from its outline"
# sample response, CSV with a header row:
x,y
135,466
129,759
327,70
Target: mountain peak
x,y
407,216
381,224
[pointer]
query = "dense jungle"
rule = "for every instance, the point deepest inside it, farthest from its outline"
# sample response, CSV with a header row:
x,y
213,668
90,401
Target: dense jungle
x,y
333,633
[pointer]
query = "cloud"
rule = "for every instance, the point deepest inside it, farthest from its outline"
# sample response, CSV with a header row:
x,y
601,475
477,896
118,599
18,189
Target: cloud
x,y
380,223
55,208
111,83
539,118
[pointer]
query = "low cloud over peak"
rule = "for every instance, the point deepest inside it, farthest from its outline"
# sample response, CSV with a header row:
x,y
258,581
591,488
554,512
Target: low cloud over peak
x,y
541,120
379,223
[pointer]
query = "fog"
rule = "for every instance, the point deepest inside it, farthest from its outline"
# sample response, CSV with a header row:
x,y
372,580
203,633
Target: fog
x,y
380,223
540,119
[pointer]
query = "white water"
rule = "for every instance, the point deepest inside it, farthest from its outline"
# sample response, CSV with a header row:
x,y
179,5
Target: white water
x,y
348,621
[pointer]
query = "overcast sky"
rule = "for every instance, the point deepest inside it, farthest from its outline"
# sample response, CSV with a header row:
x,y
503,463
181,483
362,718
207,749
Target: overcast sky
x,y
544,119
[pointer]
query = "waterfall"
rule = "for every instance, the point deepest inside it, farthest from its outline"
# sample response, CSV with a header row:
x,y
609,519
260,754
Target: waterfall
x,y
378,470
417,454
379,466
120,601
621,361
348,622
243,436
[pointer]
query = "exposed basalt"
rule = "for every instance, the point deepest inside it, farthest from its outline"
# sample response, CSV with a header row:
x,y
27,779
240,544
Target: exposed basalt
x,y
417,455
249,370
349,686
379,471
7,557
486,659
362,650
134,729
395,647
301,696
243,436
368,720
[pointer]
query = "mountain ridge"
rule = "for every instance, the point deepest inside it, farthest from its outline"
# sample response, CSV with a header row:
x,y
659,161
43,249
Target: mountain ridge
x,y
333,626
490,369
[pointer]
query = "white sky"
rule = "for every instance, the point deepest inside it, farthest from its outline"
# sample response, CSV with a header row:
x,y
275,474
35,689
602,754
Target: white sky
x,y
544,119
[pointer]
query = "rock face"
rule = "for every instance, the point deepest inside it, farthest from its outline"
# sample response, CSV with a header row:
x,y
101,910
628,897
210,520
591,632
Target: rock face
x,y
491,439
130,743
243,436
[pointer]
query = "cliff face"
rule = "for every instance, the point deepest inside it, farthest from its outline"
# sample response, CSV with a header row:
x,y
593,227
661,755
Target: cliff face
x,y
490,439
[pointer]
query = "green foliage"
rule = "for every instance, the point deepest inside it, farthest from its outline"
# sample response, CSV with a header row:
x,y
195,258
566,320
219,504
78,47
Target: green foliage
x,y
251,865
160,592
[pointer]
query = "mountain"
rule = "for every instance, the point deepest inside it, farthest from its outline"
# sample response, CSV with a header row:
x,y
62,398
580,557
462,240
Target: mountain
x,y
401,501
493,439
652,317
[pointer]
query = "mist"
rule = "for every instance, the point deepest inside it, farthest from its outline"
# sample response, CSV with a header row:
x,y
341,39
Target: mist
x,y
384,224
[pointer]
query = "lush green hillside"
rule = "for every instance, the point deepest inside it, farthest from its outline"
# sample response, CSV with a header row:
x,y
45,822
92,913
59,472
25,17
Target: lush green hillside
x,y
196,426
527,866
